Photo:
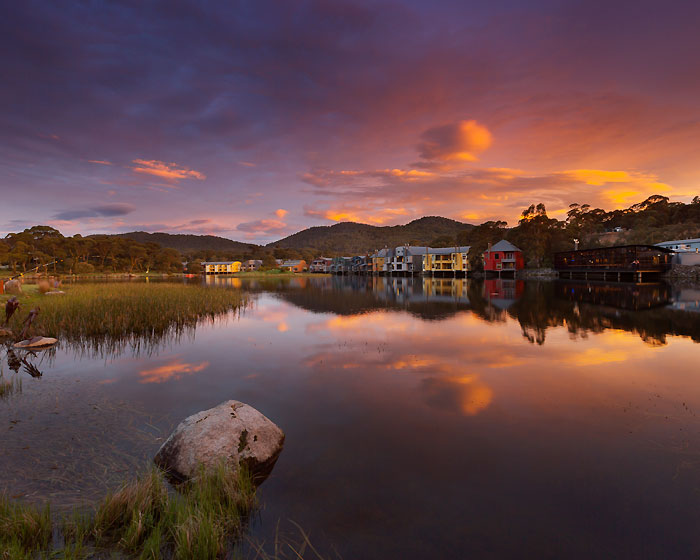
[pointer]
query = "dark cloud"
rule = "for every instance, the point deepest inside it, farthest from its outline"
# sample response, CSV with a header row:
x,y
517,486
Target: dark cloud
x,y
104,211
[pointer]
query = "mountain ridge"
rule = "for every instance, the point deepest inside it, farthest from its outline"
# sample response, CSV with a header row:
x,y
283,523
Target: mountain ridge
x,y
343,237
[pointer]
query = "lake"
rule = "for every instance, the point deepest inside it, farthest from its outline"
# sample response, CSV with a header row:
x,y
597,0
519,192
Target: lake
x,y
424,418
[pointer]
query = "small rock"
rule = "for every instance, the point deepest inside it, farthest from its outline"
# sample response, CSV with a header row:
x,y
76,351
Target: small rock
x,y
232,431
5,332
55,293
36,342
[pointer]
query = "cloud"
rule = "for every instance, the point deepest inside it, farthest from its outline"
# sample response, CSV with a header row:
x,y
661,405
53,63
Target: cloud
x,y
358,214
265,227
393,196
103,211
173,370
171,171
453,143
100,161
281,213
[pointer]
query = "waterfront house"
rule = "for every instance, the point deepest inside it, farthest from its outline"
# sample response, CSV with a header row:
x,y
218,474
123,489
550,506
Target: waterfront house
x,y
251,265
503,257
221,267
341,265
446,260
360,264
294,266
321,264
681,245
407,260
380,261
634,260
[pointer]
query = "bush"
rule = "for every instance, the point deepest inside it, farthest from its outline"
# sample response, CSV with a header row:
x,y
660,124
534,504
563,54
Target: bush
x,y
83,268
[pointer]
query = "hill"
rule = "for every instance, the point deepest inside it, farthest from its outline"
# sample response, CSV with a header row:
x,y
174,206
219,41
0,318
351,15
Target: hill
x,y
353,238
186,243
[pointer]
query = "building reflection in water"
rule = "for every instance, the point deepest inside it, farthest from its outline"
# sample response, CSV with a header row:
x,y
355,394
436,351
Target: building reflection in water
x,y
621,295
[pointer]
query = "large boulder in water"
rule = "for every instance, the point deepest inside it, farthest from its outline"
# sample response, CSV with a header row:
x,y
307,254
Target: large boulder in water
x,y
233,431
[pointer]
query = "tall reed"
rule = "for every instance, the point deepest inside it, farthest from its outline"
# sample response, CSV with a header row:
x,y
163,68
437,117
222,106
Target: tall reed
x,y
115,315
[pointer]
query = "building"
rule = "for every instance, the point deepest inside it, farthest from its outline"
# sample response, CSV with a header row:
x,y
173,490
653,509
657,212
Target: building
x,y
503,257
446,261
223,267
380,261
622,261
341,265
294,266
251,265
321,264
361,264
407,260
682,245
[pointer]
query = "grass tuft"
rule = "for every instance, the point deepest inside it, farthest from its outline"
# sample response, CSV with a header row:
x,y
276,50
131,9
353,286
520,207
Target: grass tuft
x,y
23,529
9,387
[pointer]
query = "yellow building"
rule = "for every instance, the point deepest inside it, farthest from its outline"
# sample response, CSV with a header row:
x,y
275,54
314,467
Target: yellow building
x,y
227,267
446,260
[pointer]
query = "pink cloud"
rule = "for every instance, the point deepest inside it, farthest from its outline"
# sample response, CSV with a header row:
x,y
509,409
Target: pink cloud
x,y
171,171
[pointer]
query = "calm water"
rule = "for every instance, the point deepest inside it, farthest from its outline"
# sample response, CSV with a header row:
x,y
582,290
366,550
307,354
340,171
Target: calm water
x,y
424,419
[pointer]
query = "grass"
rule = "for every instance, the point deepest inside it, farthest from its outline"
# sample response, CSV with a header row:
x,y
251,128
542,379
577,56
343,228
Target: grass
x,y
9,387
124,312
143,519
23,529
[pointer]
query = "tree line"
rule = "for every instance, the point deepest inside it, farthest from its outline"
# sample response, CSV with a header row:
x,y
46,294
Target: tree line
x,y
49,250
539,236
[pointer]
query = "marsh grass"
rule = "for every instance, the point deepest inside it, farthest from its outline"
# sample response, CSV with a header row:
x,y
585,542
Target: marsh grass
x,y
143,519
114,315
9,387
23,528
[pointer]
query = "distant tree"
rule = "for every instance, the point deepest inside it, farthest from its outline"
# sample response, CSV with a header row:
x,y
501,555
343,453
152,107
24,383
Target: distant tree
x,y
194,267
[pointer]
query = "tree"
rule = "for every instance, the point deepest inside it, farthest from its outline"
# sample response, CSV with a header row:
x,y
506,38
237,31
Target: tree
x,y
194,267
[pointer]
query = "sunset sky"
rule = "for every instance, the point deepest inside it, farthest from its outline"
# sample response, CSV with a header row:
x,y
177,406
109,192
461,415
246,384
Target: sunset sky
x,y
253,120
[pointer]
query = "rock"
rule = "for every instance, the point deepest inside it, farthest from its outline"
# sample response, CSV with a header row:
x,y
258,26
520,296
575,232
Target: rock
x,y
13,287
55,293
232,431
5,332
36,342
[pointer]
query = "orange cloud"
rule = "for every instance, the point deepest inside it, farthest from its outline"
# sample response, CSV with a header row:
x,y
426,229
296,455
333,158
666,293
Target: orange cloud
x,y
369,216
173,370
100,161
457,142
281,213
171,171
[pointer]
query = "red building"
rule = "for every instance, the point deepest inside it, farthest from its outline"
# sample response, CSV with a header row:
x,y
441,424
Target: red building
x,y
503,257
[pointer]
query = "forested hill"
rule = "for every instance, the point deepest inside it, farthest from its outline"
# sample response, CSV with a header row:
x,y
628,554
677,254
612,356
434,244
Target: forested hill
x,y
186,243
351,238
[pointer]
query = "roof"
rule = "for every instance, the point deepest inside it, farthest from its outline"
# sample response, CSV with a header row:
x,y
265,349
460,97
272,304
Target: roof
x,y
219,262
678,242
448,250
504,245
656,247
291,263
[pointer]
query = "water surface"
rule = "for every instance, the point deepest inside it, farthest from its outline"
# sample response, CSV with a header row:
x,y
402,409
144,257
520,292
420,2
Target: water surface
x,y
424,418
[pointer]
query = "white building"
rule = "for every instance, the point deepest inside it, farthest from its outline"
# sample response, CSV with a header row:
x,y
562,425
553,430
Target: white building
x,y
407,260
682,245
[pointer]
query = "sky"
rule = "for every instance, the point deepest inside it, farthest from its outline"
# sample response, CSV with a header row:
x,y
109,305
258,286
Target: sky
x,y
253,120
